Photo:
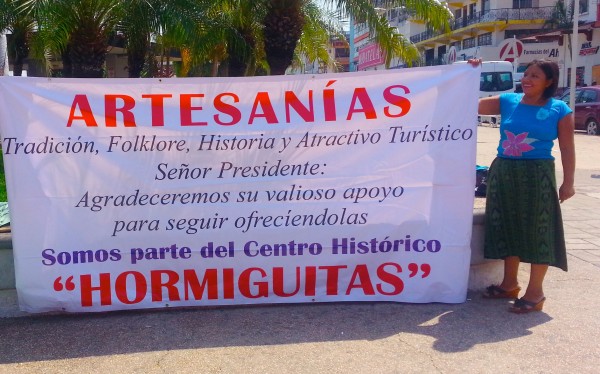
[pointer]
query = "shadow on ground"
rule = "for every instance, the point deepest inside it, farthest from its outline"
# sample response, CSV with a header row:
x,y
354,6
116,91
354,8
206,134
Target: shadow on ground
x,y
455,328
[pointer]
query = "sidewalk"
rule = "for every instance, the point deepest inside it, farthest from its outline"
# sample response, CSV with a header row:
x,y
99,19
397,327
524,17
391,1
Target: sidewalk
x,y
478,336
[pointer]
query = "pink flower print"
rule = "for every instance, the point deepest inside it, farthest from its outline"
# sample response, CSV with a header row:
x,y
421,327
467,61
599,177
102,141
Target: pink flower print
x,y
515,145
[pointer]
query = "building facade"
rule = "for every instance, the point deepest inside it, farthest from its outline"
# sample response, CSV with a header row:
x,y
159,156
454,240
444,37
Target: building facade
x,y
518,31
338,51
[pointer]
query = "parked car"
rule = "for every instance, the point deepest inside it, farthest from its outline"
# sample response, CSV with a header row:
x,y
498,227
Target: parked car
x,y
587,108
560,91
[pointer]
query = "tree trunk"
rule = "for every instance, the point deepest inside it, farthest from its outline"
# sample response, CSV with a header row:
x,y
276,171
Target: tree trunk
x,y
67,67
18,50
282,29
136,58
214,68
236,66
239,53
88,52
3,55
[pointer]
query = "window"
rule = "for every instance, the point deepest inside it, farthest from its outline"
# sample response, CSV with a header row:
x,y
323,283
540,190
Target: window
x,y
588,96
519,4
520,33
485,39
485,5
495,81
468,43
506,81
584,6
455,45
472,10
567,97
342,52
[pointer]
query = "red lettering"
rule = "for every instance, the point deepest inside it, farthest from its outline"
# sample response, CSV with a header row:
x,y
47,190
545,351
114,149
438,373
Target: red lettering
x,y
157,103
209,282
333,273
110,110
362,273
329,103
81,102
157,284
360,94
244,284
141,287
291,100
228,109
279,282
85,283
310,281
389,278
186,108
399,101
228,283
264,101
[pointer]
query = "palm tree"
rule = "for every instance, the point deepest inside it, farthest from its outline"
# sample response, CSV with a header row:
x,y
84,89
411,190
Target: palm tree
x,y
285,18
88,24
227,37
247,37
560,17
321,27
245,45
179,21
21,25
78,30
283,26
137,29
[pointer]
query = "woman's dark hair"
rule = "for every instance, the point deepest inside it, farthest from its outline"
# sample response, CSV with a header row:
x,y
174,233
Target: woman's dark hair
x,y
550,69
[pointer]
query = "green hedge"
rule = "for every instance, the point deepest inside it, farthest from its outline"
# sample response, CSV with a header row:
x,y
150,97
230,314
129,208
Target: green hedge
x,y
3,196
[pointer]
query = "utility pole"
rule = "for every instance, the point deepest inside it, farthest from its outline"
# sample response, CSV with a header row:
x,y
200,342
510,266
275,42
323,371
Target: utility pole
x,y
574,53
351,42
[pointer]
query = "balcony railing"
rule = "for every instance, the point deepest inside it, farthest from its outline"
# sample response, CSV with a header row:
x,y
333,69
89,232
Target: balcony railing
x,y
493,15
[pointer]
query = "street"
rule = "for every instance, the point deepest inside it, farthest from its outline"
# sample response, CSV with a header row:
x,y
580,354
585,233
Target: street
x,y
477,336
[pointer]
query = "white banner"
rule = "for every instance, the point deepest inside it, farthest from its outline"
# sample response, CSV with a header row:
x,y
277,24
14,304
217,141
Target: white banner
x,y
151,193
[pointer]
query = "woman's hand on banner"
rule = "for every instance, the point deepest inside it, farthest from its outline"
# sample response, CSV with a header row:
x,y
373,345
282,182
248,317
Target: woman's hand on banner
x,y
475,62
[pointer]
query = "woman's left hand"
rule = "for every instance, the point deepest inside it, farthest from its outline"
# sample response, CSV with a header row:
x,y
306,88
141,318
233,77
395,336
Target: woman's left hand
x,y
565,192
475,62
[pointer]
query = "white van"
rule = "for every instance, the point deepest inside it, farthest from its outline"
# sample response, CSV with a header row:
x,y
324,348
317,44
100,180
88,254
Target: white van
x,y
496,78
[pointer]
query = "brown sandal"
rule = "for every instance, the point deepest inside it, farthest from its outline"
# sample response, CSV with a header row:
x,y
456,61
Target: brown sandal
x,y
495,292
523,306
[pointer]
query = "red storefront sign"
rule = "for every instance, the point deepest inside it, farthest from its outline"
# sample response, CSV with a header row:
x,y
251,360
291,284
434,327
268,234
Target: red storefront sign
x,y
370,55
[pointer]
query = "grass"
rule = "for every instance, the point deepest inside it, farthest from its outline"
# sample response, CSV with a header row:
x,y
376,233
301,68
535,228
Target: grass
x,y
3,196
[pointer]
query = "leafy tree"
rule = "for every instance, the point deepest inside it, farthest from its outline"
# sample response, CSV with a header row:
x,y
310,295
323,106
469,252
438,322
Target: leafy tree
x,y
285,19
236,37
560,18
321,27
78,30
178,21
21,26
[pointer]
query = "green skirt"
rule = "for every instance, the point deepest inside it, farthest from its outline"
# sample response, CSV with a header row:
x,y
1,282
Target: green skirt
x,y
522,214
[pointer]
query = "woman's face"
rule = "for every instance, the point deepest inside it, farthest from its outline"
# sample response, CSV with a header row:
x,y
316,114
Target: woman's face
x,y
534,81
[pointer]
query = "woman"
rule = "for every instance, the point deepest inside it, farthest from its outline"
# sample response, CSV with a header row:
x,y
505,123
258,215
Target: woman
x,y
523,218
